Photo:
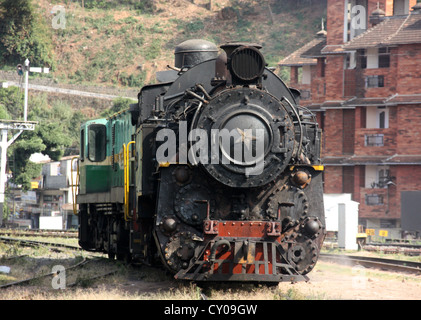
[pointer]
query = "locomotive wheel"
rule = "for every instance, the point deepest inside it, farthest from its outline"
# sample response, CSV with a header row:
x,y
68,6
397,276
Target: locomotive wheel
x,y
303,255
179,250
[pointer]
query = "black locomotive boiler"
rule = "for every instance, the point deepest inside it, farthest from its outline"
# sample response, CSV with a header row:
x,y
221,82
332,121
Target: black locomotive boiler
x,y
215,173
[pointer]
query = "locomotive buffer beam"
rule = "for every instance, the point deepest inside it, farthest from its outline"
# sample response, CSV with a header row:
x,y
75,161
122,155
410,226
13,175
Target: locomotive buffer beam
x,y
230,254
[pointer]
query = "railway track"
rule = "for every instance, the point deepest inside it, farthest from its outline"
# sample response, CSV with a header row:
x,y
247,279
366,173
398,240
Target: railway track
x,y
73,268
52,274
401,266
404,248
378,263
35,243
38,233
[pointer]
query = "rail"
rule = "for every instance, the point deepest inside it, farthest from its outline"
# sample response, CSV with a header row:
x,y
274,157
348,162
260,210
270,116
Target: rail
x,y
38,233
33,243
56,247
371,262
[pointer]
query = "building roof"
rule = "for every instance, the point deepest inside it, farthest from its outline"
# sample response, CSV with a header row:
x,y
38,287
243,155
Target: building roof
x,y
315,51
404,99
365,102
353,160
332,49
391,31
393,100
296,58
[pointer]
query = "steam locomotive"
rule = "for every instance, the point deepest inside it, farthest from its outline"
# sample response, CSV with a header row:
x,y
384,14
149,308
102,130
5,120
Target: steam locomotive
x,y
215,173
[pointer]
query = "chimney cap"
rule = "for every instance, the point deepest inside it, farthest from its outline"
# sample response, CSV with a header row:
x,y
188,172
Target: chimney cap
x,y
417,8
377,15
378,11
322,33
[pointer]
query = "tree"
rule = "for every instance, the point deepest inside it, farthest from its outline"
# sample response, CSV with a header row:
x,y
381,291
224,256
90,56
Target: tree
x,y
24,34
50,137
23,169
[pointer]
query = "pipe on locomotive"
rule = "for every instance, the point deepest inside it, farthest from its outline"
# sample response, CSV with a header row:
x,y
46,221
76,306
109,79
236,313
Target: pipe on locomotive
x,y
222,242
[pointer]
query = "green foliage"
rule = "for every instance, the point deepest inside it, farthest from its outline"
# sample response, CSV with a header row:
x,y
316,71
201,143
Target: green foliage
x,y
54,139
56,130
47,138
23,169
24,34
119,104
132,80
195,26
153,50
142,5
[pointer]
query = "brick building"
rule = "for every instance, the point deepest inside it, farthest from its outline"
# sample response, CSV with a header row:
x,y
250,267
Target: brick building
x,y
362,77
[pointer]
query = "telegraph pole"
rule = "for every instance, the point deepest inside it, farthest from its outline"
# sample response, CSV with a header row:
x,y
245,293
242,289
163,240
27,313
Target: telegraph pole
x,y
5,126
25,106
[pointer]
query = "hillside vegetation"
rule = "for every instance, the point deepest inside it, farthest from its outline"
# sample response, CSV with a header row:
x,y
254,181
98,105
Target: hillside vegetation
x,y
123,43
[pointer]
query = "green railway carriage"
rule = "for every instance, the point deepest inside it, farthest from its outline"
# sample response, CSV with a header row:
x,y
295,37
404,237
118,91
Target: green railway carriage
x,y
105,160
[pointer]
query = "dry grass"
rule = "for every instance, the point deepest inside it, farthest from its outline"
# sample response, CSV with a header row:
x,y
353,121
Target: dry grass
x,y
328,281
128,283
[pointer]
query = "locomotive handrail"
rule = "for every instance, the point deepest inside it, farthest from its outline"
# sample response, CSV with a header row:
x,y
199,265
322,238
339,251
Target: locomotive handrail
x,y
126,150
299,124
74,186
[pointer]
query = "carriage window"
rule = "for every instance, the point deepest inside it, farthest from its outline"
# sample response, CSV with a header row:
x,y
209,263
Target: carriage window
x,y
96,142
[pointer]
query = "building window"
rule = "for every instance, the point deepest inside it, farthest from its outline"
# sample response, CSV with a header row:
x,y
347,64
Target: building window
x,y
383,177
382,119
376,118
387,223
305,95
384,58
350,62
306,75
363,58
400,7
373,199
55,169
377,177
374,140
323,67
374,82
373,58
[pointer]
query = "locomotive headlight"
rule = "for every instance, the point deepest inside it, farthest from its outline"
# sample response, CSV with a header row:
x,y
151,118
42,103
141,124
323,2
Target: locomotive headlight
x,y
247,63
243,146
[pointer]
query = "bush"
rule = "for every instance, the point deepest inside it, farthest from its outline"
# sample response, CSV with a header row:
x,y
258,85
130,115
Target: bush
x,y
132,80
